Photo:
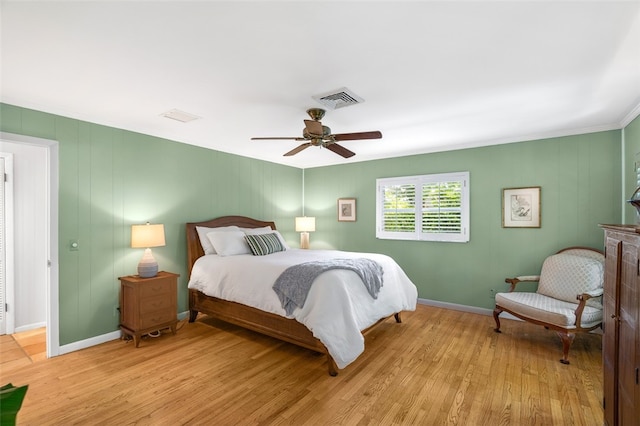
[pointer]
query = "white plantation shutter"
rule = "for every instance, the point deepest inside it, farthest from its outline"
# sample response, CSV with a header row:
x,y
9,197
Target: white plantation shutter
x,y
399,208
396,208
441,214
442,207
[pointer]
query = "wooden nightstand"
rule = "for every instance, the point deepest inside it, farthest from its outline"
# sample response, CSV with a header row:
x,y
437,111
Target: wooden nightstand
x,y
148,304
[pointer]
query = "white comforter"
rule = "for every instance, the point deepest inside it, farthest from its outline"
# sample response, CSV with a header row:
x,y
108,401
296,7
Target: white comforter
x,y
338,306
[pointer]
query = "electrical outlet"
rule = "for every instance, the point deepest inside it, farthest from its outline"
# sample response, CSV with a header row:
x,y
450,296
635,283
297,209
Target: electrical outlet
x,y
116,311
492,293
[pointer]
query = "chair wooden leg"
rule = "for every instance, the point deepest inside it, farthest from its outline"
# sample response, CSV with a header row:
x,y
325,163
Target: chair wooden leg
x,y
496,312
567,340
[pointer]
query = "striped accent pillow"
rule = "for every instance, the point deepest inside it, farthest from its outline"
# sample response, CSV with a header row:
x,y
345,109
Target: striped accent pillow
x,y
264,244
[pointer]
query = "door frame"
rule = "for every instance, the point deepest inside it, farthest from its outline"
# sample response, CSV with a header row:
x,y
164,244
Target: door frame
x,y
53,332
9,280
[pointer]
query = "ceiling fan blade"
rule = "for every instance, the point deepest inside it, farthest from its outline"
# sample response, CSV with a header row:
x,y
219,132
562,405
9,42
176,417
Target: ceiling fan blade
x,y
340,150
313,127
296,150
279,138
357,136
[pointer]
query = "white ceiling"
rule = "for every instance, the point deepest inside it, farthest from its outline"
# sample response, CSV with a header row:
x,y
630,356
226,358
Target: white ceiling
x,y
434,75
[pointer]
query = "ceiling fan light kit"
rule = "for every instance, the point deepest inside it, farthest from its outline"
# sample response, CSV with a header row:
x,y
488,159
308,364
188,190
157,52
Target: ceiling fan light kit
x,y
315,134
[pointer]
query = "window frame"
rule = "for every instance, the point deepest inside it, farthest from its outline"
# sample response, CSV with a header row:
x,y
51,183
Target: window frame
x,y
416,233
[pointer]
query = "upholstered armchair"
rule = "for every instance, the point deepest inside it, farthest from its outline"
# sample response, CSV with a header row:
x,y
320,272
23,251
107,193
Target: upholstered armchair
x,y
568,299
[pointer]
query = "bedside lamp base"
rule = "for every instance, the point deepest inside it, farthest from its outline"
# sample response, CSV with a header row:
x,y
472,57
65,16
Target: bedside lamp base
x,y
148,267
304,240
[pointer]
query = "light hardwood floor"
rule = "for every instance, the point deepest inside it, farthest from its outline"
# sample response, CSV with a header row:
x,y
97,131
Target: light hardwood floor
x,y
438,367
24,348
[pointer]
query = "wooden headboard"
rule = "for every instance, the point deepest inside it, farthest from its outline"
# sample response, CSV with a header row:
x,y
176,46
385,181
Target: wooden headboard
x,y
194,248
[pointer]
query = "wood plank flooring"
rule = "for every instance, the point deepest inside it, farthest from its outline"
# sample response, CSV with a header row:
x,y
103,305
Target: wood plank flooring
x,y
439,367
24,348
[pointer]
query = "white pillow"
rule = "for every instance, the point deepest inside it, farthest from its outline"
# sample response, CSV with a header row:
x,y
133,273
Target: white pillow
x,y
266,230
257,231
204,241
229,243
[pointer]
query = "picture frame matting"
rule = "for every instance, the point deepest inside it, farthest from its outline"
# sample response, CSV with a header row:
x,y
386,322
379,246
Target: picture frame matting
x,y
521,207
346,209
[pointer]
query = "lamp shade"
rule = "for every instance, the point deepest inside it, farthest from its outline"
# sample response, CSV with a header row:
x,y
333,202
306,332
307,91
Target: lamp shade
x,y
305,224
145,236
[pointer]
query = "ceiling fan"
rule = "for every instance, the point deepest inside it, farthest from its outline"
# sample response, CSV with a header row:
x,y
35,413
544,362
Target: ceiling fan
x,y
315,134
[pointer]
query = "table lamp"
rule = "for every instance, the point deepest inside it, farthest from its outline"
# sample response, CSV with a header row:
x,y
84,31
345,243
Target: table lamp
x,y
147,236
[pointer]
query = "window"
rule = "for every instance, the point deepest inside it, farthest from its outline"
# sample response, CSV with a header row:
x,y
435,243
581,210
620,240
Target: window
x,y
428,207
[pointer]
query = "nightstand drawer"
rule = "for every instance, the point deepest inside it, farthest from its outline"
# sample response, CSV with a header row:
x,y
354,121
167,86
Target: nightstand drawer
x,y
157,303
155,288
156,318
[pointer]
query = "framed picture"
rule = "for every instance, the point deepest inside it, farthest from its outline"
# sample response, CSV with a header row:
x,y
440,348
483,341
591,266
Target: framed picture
x,y
521,207
346,209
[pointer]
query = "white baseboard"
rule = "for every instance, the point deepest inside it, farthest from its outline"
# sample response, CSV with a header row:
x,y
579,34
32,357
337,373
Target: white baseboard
x,y
87,343
30,327
465,308
83,344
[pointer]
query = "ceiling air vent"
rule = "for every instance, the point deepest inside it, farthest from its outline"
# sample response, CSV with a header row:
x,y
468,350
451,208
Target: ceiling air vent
x,y
178,115
338,98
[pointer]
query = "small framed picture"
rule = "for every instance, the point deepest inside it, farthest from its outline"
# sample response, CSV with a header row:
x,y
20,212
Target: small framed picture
x,y
521,207
346,209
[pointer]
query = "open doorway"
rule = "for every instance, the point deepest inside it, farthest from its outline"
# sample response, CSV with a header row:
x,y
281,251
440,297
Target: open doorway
x,y
32,288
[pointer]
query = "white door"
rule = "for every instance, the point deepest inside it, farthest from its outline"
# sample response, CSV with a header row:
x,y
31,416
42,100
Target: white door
x,y
3,278
6,241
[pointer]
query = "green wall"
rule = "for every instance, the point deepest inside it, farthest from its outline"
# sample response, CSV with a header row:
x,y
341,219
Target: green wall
x,y
580,178
111,179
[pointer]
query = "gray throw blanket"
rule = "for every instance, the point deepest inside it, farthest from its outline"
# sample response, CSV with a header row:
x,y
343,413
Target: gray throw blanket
x,y
292,287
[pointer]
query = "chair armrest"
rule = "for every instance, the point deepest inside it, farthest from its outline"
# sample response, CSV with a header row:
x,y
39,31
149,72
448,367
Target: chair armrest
x,y
520,279
582,298
589,294
529,278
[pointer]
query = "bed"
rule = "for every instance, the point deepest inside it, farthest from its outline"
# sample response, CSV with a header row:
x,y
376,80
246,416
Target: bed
x,y
259,313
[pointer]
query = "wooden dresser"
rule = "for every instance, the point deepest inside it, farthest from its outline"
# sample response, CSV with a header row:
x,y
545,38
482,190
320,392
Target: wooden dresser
x,y
621,339
148,304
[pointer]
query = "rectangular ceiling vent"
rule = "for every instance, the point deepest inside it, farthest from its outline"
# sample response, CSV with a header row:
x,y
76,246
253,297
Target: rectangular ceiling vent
x,y
181,116
338,98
